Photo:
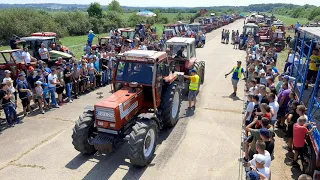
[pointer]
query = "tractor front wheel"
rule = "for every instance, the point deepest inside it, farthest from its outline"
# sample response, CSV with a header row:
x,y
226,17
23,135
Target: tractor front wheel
x,y
143,142
82,132
170,105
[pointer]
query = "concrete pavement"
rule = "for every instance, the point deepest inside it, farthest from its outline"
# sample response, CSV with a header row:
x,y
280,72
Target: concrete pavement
x,y
203,145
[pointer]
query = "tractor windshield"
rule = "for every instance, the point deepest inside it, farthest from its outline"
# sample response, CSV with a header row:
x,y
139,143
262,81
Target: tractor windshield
x,y
135,72
250,30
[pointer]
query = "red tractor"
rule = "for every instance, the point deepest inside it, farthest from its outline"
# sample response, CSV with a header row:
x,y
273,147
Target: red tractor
x,y
56,46
13,61
147,97
188,60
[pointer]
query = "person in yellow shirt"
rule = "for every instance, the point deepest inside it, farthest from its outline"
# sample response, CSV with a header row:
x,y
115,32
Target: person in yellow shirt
x,y
313,67
193,88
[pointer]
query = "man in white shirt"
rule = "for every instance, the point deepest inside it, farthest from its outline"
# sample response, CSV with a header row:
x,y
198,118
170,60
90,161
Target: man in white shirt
x,y
26,56
261,149
249,110
289,61
260,167
52,81
44,53
274,105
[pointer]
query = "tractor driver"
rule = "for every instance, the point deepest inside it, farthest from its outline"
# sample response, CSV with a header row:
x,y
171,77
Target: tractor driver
x,y
180,53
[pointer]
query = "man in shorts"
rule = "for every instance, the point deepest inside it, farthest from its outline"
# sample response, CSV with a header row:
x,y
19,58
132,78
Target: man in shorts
x,y
193,88
237,73
24,93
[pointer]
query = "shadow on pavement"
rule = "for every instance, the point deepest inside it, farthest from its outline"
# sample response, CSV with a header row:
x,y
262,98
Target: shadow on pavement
x,y
234,98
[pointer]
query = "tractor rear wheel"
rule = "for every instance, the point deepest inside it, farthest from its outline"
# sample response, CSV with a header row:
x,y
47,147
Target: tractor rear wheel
x,y
170,105
82,132
203,67
143,142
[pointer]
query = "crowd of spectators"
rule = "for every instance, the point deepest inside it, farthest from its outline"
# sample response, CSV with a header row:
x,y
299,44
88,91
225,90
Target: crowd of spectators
x,y
270,104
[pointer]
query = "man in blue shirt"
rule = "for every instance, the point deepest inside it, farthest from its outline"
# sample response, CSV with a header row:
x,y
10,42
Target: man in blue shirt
x,y
237,73
297,26
91,35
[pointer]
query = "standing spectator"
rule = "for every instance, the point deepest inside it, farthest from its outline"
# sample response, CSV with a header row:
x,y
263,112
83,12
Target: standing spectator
x,y
24,92
44,53
305,177
233,34
260,166
8,78
76,80
283,99
222,36
91,35
266,137
291,119
261,149
227,36
8,105
26,56
236,42
96,65
299,133
91,73
68,74
203,39
87,49
237,73
297,27
289,61
105,69
313,67
274,105
61,85
39,95
53,82
288,39
250,108
46,96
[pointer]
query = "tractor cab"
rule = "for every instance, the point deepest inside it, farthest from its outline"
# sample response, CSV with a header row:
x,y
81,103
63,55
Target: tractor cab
x,y
12,60
195,27
52,34
169,33
182,52
33,43
251,29
127,33
175,27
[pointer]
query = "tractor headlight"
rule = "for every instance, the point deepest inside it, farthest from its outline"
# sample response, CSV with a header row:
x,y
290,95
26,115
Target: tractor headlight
x,y
112,125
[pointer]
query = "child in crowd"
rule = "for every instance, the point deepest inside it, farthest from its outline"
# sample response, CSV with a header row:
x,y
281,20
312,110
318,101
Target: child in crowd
x,y
39,95
46,96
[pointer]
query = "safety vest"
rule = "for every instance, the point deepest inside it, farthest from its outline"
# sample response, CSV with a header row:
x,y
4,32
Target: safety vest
x,y
239,71
194,86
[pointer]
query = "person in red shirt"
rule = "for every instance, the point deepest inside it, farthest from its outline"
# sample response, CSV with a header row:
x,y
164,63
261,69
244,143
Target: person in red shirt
x,y
299,132
265,112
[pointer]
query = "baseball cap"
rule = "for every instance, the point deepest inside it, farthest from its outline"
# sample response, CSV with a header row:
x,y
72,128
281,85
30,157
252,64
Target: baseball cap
x,y
264,132
38,82
260,158
253,175
7,72
45,84
21,75
194,70
31,68
286,77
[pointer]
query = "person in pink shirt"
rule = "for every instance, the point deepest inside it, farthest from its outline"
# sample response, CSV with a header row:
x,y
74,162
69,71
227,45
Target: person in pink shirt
x,y
299,133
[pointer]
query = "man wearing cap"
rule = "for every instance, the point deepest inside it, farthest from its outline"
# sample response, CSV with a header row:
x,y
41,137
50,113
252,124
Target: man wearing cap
x,y
44,53
193,88
260,168
8,105
237,73
91,35
24,93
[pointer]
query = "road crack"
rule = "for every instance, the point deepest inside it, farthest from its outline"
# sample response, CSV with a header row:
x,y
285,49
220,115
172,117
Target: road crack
x,y
223,110
27,165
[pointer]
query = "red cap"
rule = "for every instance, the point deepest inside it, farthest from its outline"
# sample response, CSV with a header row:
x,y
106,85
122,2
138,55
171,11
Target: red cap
x,y
31,68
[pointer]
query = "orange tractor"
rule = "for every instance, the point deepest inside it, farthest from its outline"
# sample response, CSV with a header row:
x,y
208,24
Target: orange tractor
x,y
147,97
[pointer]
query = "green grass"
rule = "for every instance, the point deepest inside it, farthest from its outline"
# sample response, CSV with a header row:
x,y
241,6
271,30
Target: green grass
x,y
77,43
288,20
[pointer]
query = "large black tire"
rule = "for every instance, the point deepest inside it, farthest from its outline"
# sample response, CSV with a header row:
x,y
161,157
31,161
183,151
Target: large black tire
x,y
170,105
309,159
203,70
137,140
82,131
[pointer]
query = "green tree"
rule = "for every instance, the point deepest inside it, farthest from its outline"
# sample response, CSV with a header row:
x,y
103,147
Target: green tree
x,y
179,17
317,19
114,5
313,13
95,10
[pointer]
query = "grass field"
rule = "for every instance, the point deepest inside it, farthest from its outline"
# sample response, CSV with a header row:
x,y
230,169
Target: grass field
x,y
288,20
76,43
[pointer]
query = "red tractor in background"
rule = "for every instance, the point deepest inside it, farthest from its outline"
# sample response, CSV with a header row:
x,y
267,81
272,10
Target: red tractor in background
x,y
58,46
188,61
147,97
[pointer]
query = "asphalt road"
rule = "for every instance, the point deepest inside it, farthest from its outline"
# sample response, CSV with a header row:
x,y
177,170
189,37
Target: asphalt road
x,y
203,145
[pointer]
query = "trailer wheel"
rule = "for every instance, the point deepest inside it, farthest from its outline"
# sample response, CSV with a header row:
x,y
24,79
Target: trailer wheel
x,y
170,105
309,159
82,132
143,141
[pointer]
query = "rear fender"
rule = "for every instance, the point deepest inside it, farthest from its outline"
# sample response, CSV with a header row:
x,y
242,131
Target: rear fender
x,y
189,64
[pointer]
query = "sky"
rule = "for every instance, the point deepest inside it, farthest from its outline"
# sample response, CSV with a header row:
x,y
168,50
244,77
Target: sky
x,y
169,3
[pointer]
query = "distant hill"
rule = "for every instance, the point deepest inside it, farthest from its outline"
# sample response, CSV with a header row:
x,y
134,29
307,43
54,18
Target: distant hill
x,y
83,7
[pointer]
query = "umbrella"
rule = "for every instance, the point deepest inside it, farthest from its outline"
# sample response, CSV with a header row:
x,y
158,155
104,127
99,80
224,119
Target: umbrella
x,y
146,14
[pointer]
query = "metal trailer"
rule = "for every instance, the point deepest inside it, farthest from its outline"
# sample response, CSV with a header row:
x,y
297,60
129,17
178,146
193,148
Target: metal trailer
x,y
307,39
